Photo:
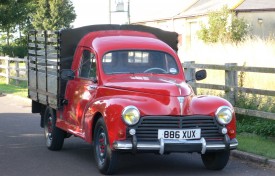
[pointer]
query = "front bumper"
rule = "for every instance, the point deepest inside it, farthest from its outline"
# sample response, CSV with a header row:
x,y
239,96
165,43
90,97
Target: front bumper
x,y
166,146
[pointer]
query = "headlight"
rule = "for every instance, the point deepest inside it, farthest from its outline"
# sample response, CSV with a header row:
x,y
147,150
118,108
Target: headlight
x,y
130,115
224,115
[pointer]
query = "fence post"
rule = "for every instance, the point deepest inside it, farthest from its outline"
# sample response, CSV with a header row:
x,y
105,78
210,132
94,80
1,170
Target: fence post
x,y
231,81
17,72
190,74
7,61
26,67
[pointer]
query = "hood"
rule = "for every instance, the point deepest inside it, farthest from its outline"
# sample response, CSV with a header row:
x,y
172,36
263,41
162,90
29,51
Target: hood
x,y
150,84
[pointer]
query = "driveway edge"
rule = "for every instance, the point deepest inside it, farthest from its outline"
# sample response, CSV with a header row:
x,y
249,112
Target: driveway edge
x,y
253,158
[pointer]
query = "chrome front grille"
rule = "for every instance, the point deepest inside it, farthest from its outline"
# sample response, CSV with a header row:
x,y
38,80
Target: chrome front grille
x,y
147,128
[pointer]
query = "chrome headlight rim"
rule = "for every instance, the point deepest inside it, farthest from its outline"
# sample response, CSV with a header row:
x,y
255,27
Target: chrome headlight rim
x,y
135,120
227,111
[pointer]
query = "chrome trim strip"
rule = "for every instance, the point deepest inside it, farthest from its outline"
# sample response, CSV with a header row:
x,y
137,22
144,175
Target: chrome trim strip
x,y
148,146
161,150
203,149
122,145
127,145
234,145
181,101
215,146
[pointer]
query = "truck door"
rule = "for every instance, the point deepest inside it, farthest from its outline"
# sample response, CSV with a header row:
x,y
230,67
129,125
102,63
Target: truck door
x,y
82,89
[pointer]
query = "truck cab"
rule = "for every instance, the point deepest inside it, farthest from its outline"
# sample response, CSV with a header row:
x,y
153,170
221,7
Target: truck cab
x,y
124,90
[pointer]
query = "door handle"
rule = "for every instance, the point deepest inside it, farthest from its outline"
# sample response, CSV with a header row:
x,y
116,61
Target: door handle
x,y
92,87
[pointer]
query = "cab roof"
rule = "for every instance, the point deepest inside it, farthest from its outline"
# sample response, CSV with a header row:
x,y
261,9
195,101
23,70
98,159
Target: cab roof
x,y
69,38
104,41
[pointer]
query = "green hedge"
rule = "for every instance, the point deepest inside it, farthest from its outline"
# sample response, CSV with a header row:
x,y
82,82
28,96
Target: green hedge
x,y
13,51
255,125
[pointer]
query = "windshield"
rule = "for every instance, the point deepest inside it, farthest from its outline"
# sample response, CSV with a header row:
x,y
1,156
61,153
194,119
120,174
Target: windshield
x,y
119,62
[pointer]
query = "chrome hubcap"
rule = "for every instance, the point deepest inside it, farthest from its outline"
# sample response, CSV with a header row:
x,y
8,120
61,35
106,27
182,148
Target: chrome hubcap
x,y
101,146
49,129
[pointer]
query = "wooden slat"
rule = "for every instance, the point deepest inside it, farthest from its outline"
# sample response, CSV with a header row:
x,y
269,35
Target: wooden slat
x,y
256,69
52,32
223,67
255,113
208,86
42,92
256,91
32,38
52,40
17,59
204,66
18,78
17,69
31,52
240,89
54,63
40,39
32,45
41,46
52,55
51,48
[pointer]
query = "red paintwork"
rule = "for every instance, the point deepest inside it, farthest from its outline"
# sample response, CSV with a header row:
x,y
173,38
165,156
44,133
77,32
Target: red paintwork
x,y
113,92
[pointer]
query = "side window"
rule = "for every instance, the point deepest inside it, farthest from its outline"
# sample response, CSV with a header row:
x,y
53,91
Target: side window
x,y
88,65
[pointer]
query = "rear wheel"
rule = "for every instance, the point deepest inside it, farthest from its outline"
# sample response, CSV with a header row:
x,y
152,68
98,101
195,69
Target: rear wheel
x,y
215,160
105,158
54,136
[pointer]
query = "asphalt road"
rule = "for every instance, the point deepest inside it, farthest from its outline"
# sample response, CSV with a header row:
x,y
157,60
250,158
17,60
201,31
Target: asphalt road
x,y
23,152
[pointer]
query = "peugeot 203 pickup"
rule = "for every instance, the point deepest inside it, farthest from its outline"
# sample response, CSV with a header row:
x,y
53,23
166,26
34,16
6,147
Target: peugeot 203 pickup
x,y
122,88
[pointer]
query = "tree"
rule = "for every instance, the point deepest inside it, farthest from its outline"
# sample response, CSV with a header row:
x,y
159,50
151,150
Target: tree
x,y
42,15
7,18
58,18
223,26
53,14
14,13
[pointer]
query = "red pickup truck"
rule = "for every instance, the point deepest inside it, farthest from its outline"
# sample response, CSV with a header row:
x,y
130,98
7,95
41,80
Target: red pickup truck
x,y
122,88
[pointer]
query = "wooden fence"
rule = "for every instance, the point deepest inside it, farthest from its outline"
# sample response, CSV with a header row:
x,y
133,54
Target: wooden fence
x,y
231,87
10,69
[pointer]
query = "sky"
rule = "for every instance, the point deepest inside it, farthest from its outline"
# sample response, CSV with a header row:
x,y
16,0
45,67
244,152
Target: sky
x,y
97,11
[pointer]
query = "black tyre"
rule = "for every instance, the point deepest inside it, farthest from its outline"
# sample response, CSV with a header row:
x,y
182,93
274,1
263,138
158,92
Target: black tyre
x,y
215,160
105,158
54,136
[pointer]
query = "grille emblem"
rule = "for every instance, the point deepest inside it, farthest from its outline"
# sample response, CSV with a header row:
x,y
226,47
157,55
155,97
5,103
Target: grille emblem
x,y
181,101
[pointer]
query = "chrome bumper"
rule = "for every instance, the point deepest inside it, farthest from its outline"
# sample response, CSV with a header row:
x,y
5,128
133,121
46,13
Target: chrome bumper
x,y
181,145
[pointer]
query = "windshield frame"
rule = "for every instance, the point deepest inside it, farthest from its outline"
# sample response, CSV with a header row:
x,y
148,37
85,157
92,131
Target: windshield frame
x,y
175,70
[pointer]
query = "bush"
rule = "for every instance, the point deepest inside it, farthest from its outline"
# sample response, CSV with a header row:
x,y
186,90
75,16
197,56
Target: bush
x,y
255,125
13,51
223,26
18,48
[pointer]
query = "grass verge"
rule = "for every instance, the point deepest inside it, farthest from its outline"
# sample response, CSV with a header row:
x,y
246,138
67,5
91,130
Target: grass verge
x,y
256,135
12,89
259,145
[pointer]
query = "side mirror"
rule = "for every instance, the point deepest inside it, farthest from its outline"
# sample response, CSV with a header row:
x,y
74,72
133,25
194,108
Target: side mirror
x,y
67,74
200,75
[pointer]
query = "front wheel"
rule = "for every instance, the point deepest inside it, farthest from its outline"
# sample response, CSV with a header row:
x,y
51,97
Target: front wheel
x,y
54,136
105,158
215,160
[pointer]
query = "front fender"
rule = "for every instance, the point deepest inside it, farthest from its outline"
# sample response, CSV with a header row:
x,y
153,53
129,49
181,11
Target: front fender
x,y
207,105
110,108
